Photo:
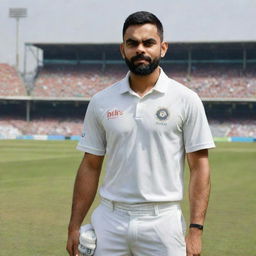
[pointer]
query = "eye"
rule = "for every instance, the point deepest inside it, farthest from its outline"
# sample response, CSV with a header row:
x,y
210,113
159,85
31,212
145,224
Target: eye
x,y
149,43
131,43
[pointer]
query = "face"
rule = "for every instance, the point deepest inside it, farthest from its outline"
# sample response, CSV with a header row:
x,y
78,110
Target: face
x,y
142,49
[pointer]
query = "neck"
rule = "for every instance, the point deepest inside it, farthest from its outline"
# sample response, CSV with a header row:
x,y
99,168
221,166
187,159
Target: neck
x,y
142,84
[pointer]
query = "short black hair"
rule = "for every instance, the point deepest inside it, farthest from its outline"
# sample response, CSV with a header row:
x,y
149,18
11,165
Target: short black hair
x,y
141,18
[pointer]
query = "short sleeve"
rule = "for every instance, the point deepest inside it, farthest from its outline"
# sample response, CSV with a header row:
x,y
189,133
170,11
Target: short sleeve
x,y
196,130
93,135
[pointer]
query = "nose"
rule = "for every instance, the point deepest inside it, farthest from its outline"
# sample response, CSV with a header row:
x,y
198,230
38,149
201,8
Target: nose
x,y
140,49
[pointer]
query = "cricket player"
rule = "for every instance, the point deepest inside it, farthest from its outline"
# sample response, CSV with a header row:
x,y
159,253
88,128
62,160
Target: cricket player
x,y
145,125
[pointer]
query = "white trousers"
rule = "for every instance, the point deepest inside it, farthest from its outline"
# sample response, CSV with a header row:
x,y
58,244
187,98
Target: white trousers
x,y
139,229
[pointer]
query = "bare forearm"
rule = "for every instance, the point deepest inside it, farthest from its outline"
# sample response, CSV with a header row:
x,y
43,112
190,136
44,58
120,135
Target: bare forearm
x,y
85,189
199,185
199,191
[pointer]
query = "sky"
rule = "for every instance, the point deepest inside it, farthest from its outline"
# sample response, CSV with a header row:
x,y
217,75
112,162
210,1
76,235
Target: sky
x,y
98,21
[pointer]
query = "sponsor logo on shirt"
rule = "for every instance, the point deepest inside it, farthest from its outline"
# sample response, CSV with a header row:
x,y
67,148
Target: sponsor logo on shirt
x,y
114,114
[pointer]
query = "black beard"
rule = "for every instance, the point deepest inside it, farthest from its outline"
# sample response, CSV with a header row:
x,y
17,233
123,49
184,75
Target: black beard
x,y
142,69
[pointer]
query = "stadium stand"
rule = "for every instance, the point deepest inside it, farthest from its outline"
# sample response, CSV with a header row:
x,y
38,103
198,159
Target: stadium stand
x,y
242,128
233,128
219,81
85,80
55,126
11,83
73,81
69,127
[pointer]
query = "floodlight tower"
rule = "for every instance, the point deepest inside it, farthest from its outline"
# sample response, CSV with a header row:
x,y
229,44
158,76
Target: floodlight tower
x,y
17,13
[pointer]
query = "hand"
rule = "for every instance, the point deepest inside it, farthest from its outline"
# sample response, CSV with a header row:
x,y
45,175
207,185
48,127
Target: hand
x,y
194,242
72,242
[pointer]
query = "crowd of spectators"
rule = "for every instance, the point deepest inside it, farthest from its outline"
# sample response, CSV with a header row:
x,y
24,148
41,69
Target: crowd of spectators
x,y
74,81
69,127
242,129
218,81
66,127
11,83
208,81
233,128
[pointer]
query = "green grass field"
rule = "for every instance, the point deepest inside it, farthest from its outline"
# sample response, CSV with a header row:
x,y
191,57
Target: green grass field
x,y
36,183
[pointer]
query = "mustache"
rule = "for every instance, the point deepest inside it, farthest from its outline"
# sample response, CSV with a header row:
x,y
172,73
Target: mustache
x,y
140,57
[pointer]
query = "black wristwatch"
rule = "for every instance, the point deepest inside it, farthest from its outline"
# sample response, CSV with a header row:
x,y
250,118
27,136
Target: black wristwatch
x,y
198,226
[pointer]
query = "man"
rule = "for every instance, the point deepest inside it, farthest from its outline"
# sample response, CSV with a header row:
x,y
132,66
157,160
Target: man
x,y
144,124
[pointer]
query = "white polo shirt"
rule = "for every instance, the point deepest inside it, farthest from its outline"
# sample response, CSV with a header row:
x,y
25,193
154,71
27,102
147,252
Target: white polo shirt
x,y
145,139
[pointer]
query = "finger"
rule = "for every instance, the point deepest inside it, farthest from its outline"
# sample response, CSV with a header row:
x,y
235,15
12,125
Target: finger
x,y
75,250
69,250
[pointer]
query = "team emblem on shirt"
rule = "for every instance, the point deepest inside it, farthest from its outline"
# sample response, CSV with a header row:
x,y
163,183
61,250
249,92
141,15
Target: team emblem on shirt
x,y
162,114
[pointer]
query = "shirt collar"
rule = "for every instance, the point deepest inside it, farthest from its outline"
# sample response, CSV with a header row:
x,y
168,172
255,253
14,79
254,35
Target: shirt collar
x,y
125,85
160,86
162,82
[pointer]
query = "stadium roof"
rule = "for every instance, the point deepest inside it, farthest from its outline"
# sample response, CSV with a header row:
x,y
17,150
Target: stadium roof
x,y
97,21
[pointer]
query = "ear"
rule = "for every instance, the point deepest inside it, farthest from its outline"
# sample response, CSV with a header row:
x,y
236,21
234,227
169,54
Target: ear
x,y
122,50
164,48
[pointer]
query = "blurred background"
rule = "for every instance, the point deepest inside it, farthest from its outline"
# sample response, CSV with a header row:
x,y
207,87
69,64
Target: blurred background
x,y
55,55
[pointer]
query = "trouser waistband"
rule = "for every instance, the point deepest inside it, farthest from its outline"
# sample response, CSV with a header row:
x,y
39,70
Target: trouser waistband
x,y
141,208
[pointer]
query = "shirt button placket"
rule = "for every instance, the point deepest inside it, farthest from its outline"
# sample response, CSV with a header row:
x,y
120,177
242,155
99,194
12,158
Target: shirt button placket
x,y
139,106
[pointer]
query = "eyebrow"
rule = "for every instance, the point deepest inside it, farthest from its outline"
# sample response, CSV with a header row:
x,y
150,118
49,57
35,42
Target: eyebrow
x,y
150,40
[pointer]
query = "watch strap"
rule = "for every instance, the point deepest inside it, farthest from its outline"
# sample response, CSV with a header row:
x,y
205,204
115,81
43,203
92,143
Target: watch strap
x,y
198,226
